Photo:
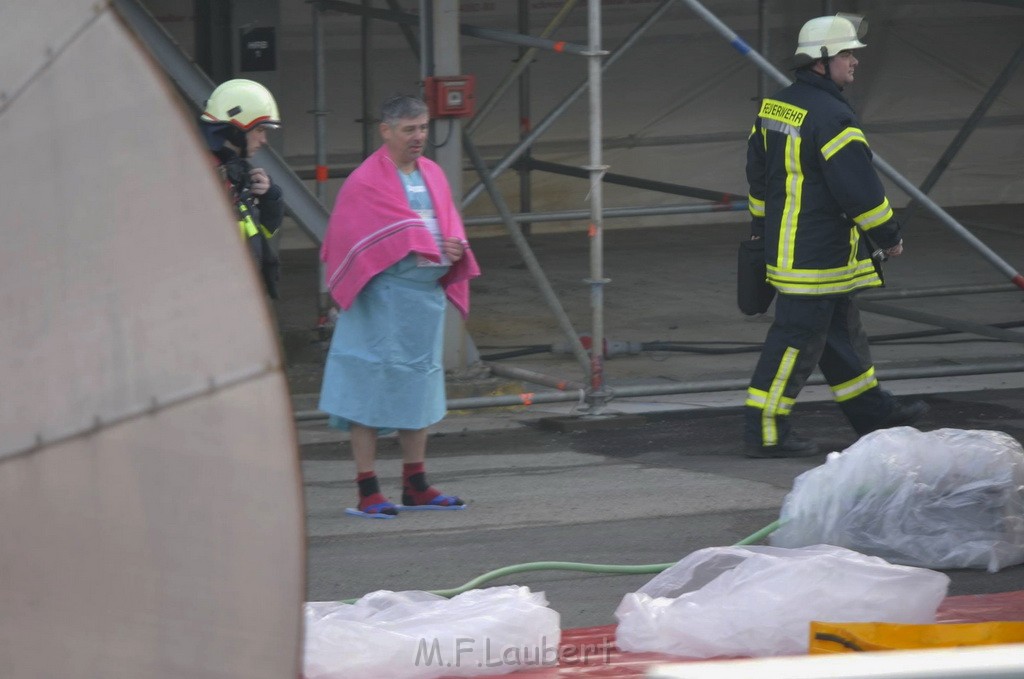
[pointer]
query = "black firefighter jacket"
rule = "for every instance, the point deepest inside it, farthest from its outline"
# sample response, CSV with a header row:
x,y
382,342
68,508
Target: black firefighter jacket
x,y
814,191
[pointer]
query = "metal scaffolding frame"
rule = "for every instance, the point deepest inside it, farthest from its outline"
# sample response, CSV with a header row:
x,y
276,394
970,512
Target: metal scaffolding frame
x,y
595,171
540,128
968,127
595,394
312,217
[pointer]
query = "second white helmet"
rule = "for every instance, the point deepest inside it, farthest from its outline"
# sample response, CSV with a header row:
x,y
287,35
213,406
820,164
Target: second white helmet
x,y
825,37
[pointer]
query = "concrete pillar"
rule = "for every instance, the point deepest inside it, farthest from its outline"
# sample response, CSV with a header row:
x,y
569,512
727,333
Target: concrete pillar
x,y
460,354
447,61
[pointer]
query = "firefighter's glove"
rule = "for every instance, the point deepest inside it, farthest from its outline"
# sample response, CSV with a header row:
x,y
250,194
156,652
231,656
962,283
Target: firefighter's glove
x,y
260,181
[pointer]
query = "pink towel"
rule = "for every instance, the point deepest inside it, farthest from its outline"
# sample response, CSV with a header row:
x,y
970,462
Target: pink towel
x,y
372,227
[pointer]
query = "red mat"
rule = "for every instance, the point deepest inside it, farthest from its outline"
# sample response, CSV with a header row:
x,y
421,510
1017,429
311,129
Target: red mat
x,y
591,652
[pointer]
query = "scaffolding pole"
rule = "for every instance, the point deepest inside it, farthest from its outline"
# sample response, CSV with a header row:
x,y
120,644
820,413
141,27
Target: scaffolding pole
x,y
633,182
410,36
613,212
319,112
940,291
522,64
968,127
508,37
763,34
524,101
534,377
534,267
597,395
634,391
743,48
935,320
561,108
319,103
366,81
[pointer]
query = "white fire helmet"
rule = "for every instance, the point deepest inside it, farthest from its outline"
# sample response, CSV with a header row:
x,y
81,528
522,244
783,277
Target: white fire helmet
x,y
243,103
825,37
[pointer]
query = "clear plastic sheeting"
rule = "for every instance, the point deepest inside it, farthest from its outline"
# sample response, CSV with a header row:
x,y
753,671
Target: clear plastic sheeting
x,y
419,635
760,601
950,498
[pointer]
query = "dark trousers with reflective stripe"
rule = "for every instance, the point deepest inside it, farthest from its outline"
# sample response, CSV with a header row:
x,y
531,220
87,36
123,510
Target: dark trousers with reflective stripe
x,y
809,332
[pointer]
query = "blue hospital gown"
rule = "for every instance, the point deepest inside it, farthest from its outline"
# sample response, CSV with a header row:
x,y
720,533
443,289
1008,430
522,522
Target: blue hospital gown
x,y
384,368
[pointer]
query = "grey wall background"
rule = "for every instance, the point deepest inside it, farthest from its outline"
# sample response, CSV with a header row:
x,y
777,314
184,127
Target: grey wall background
x,y
678,105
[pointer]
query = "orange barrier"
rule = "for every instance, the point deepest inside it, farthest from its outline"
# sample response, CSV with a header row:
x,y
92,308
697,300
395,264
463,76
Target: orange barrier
x,y
856,637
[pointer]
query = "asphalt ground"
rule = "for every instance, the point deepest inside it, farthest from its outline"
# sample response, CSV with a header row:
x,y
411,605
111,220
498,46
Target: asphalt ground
x,y
660,476
649,492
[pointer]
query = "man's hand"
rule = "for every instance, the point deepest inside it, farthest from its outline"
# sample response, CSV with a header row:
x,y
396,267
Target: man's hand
x,y
454,248
260,181
895,250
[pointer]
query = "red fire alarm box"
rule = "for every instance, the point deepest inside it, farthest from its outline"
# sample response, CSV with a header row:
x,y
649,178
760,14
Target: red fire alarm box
x,y
450,96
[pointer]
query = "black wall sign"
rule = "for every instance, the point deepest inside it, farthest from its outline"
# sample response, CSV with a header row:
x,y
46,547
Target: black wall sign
x,y
258,49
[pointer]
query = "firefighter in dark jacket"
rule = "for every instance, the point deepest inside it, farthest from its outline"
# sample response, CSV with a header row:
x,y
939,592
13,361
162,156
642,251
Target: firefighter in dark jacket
x,y
234,123
821,209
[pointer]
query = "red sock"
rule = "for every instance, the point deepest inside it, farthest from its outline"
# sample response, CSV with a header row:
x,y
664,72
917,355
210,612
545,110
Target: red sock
x,y
415,489
369,491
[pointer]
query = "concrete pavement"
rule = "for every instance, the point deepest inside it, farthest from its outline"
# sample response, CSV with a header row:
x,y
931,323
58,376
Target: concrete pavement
x,y
669,479
642,494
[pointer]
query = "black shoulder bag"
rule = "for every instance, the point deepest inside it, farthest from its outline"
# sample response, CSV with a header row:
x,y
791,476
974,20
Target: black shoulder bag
x,y
754,294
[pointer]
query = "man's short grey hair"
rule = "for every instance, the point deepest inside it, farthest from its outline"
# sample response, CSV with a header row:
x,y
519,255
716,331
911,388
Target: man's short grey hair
x,y
401,107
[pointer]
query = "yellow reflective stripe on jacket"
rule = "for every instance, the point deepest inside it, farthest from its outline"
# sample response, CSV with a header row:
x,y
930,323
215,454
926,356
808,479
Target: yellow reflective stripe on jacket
x,y
248,227
875,216
854,242
756,206
836,143
753,131
792,206
853,388
267,233
841,280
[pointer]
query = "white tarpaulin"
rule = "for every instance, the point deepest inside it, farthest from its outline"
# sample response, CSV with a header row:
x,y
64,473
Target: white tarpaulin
x,y
150,498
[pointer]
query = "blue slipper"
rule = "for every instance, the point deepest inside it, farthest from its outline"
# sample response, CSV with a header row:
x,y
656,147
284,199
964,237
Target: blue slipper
x,y
440,502
381,510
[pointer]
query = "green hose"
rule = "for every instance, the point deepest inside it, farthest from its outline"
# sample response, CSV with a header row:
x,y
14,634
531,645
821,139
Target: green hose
x,y
584,567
